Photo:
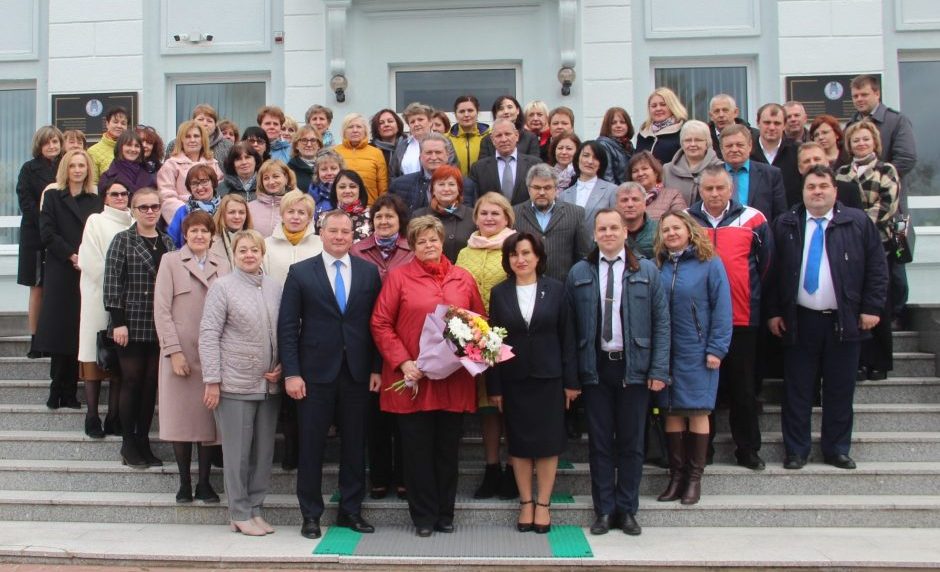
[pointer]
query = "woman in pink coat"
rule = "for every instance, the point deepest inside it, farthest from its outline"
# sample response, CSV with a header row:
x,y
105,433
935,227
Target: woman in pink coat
x,y
192,147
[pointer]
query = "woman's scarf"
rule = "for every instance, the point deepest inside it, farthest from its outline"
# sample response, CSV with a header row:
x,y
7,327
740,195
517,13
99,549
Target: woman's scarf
x,y
653,193
494,242
354,208
387,246
294,237
209,206
660,125
862,164
438,270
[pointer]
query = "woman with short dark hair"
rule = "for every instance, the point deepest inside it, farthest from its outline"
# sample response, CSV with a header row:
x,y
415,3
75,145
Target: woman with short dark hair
x,y
35,175
507,107
241,172
350,194
467,134
616,137
646,169
387,131
533,389
258,139
152,143
127,167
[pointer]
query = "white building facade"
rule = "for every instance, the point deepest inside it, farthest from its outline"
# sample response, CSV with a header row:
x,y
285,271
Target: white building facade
x,y
240,54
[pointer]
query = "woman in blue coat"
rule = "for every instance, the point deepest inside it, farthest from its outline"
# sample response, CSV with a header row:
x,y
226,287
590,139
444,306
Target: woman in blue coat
x,y
700,307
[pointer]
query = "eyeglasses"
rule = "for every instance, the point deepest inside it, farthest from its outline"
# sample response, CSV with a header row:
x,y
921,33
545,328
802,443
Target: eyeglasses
x,y
119,194
255,140
308,141
201,183
148,208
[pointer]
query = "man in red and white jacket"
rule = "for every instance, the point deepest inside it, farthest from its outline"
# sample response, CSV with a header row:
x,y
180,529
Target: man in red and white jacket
x,y
743,240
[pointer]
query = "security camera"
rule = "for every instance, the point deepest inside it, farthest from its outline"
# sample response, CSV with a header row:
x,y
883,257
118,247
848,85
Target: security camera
x,y
181,37
208,37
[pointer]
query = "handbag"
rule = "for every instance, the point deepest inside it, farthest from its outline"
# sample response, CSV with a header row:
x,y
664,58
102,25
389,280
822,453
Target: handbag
x,y
900,249
656,450
106,356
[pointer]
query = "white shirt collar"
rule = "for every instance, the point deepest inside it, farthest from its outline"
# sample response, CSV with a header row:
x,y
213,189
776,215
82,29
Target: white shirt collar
x,y
329,259
827,216
622,255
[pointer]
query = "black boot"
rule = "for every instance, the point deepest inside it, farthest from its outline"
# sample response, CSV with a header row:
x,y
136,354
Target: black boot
x,y
93,427
696,451
507,484
205,493
130,456
143,446
112,424
677,461
490,484
185,494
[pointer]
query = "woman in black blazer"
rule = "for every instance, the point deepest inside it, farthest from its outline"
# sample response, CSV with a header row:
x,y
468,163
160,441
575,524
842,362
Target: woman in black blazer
x,y
534,388
63,213
130,273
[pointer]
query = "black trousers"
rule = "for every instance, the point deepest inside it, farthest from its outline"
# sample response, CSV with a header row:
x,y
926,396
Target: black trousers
x,y
878,351
616,419
64,373
140,362
736,388
818,350
385,452
315,413
430,464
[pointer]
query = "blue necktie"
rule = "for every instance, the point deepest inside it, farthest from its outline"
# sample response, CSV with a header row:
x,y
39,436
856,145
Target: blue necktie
x,y
814,258
340,287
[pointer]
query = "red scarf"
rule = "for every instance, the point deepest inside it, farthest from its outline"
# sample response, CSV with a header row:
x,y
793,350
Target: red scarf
x,y
354,208
437,270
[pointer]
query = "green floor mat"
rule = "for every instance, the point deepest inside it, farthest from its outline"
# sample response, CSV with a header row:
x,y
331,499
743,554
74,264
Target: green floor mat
x,y
338,540
568,541
562,498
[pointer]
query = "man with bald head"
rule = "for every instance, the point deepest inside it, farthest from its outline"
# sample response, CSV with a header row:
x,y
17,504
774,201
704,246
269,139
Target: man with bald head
x,y
723,111
505,172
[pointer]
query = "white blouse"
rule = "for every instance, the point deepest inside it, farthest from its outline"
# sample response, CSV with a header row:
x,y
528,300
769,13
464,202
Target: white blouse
x,y
526,298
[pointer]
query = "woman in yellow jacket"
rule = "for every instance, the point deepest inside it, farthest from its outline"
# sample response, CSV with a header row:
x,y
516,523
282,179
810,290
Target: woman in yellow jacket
x,y
483,259
363,158
467,134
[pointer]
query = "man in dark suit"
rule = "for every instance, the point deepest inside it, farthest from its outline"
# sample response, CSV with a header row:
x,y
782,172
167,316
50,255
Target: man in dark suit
x,y
722,112
415,188
559,225
755,184
506,172
795,123
330,364
773,148
829,286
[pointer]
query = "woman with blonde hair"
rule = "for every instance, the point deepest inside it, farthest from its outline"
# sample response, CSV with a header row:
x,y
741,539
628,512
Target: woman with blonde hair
x,y
700,312
361,157
231,216
274,180
659,134
191,147
65,208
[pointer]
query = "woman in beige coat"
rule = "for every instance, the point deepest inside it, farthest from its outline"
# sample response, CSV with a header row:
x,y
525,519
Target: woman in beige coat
x,y
100,228
179,296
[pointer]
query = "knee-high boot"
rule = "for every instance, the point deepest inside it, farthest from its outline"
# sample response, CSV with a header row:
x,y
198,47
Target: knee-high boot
x,y
696,451
677,461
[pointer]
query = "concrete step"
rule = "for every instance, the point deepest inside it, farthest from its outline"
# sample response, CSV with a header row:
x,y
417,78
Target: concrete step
x,y
871,478
74,445
868,417
914,364
891,390
24,368
847,511
35,391
157,546
906,341
14,324
14,346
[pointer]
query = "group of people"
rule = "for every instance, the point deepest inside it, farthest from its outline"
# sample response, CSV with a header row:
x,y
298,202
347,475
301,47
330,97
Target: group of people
x,y
628,276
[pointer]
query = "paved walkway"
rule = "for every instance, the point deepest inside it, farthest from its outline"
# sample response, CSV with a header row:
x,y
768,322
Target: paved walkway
x,y
215,546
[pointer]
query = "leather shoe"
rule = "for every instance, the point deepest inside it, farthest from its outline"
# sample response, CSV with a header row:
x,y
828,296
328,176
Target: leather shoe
x,y
445,526
840,461
601,524
310,528
423,531
794,462
355,522
877,374
630,525
751,460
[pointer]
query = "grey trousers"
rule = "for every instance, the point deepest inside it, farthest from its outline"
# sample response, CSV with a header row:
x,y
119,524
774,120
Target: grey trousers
x,y
247,429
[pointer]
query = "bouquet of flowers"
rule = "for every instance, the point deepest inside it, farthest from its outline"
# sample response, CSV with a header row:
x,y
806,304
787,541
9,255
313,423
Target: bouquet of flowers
x,y
452,338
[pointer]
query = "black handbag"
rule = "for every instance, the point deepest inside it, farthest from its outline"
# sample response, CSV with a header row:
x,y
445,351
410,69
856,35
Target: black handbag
x,y
106,357
656,450
900,249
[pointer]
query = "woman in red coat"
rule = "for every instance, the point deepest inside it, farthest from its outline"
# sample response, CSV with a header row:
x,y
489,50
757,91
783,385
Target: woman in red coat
x,y
431,423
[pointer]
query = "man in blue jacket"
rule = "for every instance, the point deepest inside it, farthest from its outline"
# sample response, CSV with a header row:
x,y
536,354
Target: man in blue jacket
x,y
622,330
830,283
330,364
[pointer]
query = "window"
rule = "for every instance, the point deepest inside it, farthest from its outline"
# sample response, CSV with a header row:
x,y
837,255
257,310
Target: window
x,y
17,125
439,88
237,101
695,86
919,86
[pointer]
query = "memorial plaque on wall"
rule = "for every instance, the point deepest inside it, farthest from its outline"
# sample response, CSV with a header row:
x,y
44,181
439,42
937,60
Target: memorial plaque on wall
x,y
823,94
86,111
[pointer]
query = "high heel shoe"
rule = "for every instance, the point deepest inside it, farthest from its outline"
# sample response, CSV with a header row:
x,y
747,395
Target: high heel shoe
x,y
525,526
262,524
542,528
246,527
